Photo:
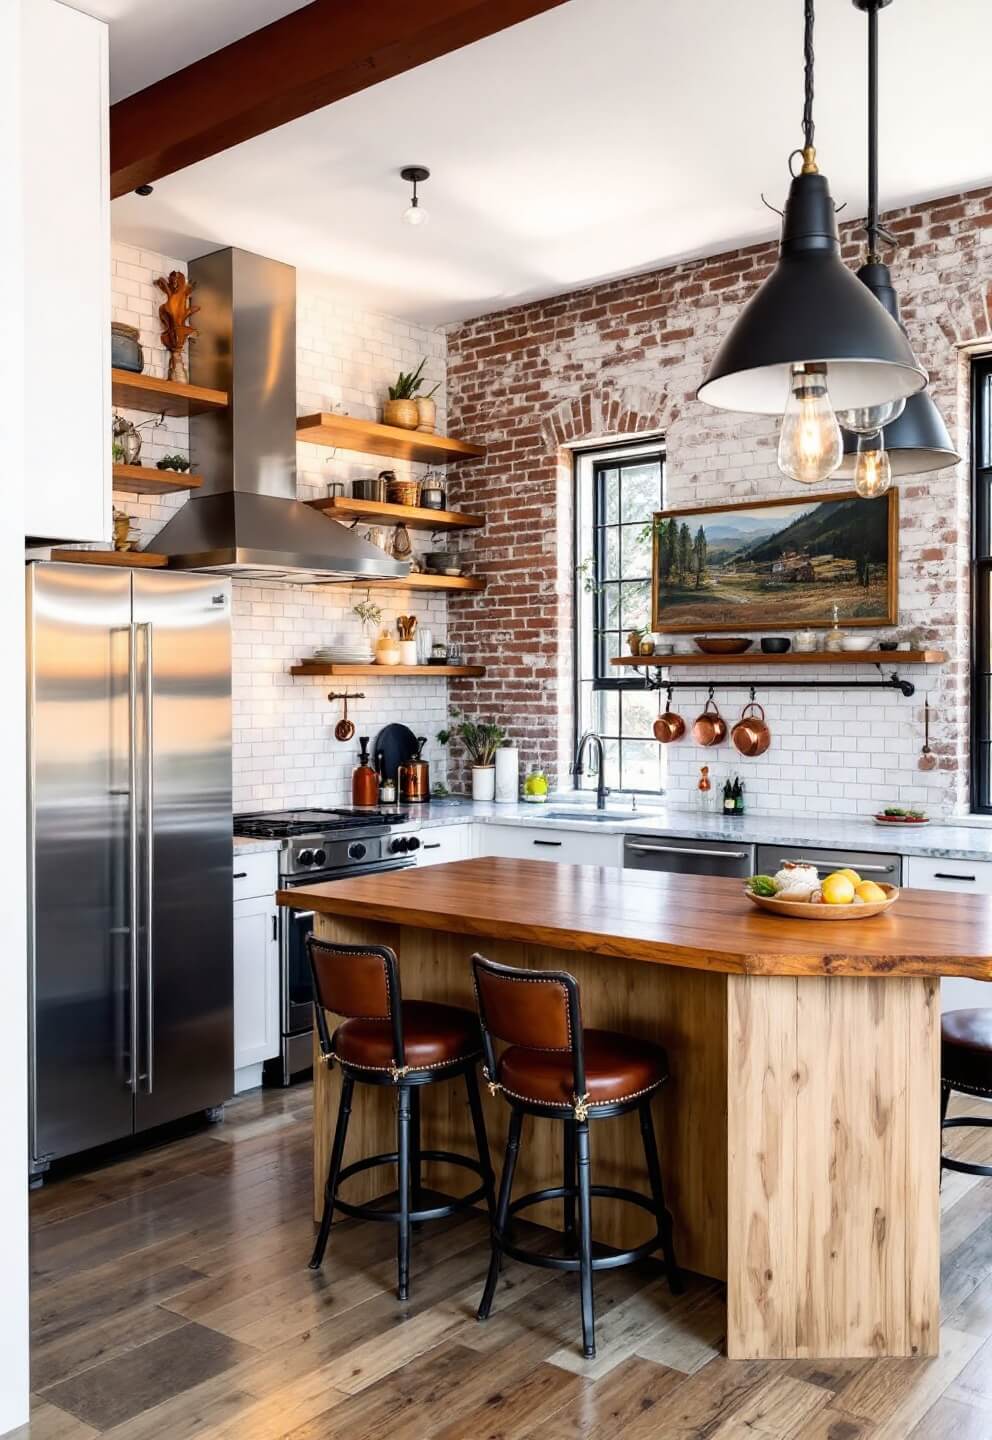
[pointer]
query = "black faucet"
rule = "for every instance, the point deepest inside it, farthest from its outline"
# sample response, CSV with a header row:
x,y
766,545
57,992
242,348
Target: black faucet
x,y
578,769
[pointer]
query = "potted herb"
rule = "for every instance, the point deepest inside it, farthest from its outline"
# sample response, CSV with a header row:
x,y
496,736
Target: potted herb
x,y
178,463
480,739
401,407
427,411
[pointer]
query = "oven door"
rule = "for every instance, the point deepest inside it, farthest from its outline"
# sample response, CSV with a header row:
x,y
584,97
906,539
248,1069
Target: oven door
x,y
296,926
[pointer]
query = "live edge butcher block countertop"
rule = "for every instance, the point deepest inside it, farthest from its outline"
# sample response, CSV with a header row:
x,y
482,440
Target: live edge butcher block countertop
x,y
699,922
800,1128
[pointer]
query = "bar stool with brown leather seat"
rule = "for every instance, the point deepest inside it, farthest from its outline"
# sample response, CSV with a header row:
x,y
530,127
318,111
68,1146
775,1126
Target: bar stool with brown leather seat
x,y
553,1068
385,1040
965,1065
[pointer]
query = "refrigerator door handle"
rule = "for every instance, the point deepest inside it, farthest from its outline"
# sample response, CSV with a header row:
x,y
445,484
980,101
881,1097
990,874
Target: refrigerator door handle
x,y
148,1078
132,831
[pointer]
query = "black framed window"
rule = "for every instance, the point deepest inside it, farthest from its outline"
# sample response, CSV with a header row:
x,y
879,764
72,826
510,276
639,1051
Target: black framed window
x,y
617,494
981,586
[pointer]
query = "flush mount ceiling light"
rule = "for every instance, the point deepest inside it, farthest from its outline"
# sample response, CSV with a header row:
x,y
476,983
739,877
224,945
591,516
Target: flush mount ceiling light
x,y
415,214
813,339
914,438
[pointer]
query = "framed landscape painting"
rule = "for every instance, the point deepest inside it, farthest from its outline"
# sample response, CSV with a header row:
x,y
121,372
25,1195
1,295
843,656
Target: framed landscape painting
x,y
777,564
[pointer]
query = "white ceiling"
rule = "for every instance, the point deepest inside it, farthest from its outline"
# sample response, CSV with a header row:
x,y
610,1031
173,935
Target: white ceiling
x,y
604,137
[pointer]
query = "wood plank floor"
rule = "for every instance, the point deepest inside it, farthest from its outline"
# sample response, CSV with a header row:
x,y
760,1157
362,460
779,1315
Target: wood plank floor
x,y
172,1299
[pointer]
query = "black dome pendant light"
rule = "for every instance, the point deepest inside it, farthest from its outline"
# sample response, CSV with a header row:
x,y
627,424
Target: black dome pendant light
x,y
915,439
813,339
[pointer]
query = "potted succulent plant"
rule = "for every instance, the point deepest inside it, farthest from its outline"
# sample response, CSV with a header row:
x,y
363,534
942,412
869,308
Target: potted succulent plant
x,y
401,407
480,739
176,462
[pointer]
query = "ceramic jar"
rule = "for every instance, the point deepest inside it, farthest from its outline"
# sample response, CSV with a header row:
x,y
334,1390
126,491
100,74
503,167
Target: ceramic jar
x,y
426,415
387,650
483,782
805,641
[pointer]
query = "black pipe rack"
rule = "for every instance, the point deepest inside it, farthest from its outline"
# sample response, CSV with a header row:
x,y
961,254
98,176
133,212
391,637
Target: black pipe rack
x,y
886,682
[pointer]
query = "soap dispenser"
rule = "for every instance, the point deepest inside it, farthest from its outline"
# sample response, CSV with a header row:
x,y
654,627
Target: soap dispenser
x,y
364,780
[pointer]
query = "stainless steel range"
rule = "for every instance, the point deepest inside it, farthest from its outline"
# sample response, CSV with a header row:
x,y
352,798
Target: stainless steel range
x,y
317,846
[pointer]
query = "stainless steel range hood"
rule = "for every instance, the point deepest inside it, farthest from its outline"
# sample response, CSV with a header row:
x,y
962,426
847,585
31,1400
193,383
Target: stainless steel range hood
x,y
245,519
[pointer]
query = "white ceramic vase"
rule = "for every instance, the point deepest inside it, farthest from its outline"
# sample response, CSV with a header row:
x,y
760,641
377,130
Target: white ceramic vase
x,y
507,781
483,782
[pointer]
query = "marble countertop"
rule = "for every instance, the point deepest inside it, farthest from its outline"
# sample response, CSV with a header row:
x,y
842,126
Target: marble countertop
x,y
243,845
938,840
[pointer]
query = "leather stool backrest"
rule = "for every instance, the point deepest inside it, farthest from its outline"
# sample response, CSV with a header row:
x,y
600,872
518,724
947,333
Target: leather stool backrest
x,y
536,1009
358,982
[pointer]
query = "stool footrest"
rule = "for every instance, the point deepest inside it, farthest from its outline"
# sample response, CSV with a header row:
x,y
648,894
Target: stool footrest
x,y
612,1260
369,1211
965,1167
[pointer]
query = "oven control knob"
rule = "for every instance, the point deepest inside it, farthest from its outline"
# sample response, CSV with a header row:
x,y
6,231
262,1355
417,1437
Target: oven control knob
x,y
413,843
399,846
305,857
320,857
357,851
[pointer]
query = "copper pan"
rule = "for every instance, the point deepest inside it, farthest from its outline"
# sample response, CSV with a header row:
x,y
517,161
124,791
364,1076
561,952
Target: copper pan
x,y
709,728
668,726
751,735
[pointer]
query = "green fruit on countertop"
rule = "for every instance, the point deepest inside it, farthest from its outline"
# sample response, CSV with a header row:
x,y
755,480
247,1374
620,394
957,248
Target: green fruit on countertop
x,y
536,785
762,885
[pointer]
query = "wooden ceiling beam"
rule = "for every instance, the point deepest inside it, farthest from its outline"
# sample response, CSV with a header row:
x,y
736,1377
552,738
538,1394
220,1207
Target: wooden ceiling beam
x,y
300,63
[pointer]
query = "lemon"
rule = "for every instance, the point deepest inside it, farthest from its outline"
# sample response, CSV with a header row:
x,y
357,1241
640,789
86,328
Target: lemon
x,y
870,893
838,889
852,875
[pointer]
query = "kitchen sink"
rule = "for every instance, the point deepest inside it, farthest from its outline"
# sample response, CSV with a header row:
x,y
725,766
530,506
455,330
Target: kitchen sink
x,y
579,812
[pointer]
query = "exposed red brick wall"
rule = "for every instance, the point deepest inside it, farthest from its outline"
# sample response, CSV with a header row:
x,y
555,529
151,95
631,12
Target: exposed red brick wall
x,y
626,357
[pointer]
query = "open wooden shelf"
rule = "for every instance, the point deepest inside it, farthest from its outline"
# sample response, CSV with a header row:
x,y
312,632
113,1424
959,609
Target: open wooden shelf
x,y
315,667
163,397
792,657
146,480
369,438
428,581
378,512
130,559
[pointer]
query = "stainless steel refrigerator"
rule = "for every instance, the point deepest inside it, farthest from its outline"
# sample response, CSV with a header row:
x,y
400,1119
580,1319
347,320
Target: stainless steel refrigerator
x,y
129,851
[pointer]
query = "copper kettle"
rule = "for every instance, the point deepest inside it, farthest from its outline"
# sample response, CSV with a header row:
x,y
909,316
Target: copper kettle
x,y
413,777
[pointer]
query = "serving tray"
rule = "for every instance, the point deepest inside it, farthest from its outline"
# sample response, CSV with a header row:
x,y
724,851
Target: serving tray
x,y
803,910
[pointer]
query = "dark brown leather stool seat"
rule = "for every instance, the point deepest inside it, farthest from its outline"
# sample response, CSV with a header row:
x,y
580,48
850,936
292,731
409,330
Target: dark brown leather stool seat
x,y
433,1035
618,1068
965,1065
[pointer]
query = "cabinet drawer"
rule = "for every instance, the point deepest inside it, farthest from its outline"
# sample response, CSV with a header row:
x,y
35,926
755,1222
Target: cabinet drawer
x,y
573,847
448,842
970,877
255,874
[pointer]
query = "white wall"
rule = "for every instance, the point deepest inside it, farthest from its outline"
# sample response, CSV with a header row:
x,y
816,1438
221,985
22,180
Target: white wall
x,y
284,748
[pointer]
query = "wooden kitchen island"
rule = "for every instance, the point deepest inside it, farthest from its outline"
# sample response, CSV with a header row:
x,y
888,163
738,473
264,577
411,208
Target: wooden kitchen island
x,y
800,1130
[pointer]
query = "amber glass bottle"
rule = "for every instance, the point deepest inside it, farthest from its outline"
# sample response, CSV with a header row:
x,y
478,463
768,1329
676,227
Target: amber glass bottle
x,y
364,780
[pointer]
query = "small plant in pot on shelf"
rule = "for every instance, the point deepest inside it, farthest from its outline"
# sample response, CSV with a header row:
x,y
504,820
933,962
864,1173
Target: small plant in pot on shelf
x,y
177,462
480,739
401,407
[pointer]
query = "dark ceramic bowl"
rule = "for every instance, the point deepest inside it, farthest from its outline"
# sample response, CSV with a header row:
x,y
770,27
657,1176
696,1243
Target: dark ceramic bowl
x,y
775,644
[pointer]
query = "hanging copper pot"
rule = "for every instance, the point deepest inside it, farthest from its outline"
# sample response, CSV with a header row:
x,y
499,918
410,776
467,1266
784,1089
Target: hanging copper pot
x,y
668,726
751,735
709,728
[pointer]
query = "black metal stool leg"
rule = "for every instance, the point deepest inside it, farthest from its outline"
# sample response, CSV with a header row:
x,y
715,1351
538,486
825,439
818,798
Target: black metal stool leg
x,y
568,1180
672,1271
415,1162
333,1170
481,1141
585,1240
502,1209
403,1185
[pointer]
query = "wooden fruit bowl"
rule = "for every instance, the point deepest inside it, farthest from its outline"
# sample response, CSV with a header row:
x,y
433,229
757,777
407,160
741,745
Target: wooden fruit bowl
x,y
803,910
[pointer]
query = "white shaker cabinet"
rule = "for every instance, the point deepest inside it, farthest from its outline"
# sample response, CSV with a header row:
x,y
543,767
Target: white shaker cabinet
x,y
967,877
60,176
441,843
256,968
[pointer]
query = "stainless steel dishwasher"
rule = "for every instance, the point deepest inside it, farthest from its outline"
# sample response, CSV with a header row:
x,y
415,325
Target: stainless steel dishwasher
x,y
688,857
870,864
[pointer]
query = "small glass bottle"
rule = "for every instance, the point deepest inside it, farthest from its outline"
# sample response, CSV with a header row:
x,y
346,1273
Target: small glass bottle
x,y
738,797
704,789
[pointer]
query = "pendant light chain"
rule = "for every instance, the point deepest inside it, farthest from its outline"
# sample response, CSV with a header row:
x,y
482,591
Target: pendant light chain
x,y
809,152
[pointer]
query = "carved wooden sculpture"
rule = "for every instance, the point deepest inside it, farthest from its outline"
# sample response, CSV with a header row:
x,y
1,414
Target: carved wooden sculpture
x,y
175,313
